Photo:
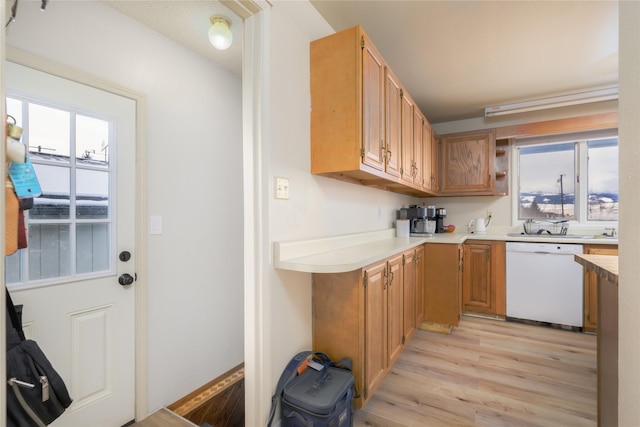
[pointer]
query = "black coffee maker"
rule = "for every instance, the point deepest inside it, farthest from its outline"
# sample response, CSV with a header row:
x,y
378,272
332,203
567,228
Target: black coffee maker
x,y
417,216
440,214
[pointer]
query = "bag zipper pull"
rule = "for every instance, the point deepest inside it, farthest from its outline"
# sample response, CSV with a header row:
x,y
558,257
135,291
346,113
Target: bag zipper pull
x,y
45,388
15,381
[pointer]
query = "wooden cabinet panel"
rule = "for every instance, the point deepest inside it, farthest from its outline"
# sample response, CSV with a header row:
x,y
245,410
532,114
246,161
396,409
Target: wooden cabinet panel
x,y
590,320
373,70
484,278
418,141
406,169
442,283
435,159
375,323
467,164
393,113
394,308
420,270
338,321
409,295
427,158
477,287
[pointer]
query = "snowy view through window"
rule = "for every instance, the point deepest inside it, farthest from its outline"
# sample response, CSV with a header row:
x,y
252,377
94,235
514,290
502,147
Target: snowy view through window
x,y
69,225
548,180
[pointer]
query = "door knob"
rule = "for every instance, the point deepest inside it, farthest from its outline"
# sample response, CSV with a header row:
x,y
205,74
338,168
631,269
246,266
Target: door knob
x,y
124,256
126,279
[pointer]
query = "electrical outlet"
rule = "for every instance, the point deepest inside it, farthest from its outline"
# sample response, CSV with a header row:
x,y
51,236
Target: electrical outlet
x,y
282,188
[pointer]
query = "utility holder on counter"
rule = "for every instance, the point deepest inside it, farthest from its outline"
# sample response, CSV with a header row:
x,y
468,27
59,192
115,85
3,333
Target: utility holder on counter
x,y
559,227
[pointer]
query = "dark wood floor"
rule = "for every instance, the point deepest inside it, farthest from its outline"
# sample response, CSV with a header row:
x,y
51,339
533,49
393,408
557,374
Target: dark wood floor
x,y
164,418
489,373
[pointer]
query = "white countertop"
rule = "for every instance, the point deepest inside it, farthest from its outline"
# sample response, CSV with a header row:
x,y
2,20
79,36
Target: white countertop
x,y
340,254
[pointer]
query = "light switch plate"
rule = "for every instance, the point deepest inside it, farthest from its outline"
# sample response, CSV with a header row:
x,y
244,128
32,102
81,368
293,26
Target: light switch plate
x,y
282,188
155,224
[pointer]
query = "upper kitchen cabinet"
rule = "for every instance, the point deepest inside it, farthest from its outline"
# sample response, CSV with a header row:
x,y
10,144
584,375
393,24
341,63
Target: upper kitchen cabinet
x,y
357,114
408,170
429,158
467,164
347,107
393,122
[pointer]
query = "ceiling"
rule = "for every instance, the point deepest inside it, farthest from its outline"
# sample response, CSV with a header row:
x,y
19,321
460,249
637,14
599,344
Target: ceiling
x,y
454,57
187,23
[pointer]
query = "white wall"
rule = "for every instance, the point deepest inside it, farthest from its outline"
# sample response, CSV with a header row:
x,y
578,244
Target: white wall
x,y
194,135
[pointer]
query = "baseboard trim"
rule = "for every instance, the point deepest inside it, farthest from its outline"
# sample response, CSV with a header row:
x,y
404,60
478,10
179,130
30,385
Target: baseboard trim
x,y
195,399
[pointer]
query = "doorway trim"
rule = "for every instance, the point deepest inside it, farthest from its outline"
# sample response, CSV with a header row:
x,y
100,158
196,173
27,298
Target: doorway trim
x,y
140,327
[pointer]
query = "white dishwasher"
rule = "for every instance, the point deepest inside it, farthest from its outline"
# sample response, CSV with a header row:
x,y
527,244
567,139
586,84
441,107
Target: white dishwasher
x,y
544,283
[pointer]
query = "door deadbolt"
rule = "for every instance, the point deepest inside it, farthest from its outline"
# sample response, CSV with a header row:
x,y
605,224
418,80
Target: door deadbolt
x,y
124,256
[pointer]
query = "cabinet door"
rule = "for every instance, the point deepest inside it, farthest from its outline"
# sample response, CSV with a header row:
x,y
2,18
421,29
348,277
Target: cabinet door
x,y
435,159
375,324
468,164
590,320
427,170
419,285
406,167
418,129
478,288
395,318
393,124
372,105
409,294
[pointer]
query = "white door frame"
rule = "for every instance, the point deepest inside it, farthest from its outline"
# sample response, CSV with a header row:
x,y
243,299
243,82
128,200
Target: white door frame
x,y
140,267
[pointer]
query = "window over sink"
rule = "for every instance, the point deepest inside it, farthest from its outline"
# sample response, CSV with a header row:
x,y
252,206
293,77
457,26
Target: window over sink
x,y
571,177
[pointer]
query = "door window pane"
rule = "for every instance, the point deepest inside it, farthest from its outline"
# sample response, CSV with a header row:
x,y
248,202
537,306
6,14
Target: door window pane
x,y
14,109
92,248
49,251
546,181
49,131
92,194
55,183
602,181
92,140
13,267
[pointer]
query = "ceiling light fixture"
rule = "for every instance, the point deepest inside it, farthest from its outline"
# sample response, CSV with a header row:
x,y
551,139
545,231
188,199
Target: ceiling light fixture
x,y
555,102
220,32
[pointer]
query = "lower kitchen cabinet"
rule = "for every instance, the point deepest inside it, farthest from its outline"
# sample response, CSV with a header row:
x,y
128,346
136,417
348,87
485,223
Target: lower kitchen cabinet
x,y
409,294
419,285
590,320
484,278
395,309
442,283
361,315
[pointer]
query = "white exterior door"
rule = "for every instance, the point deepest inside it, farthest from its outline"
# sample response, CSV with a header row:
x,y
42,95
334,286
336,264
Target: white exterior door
x,y
68,277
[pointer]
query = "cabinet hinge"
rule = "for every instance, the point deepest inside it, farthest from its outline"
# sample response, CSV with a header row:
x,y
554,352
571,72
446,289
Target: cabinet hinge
x,y
401,93
362,42
404,260
403,339
365,280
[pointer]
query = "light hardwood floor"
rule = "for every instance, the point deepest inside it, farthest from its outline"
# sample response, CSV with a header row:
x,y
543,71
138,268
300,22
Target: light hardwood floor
x,y
489,373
